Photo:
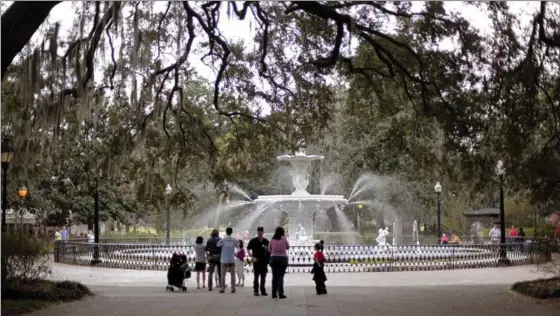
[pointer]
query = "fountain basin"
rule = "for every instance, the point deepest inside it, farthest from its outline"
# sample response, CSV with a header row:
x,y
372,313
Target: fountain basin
x,y
325,201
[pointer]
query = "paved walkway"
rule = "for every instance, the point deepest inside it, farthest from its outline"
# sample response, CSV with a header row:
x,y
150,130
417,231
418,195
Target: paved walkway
x,y
457,292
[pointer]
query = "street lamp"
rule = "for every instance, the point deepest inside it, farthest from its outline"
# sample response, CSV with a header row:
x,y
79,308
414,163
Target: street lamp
x,y
438,189
360,207
22,191
500,171
96,259
7,154
168,191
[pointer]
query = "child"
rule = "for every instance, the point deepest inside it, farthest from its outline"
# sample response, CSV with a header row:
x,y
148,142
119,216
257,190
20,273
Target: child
x,y
200,261
318,269
240,263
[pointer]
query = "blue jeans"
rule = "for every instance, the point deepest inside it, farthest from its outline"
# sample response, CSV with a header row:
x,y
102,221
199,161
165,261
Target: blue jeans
x,y
279,264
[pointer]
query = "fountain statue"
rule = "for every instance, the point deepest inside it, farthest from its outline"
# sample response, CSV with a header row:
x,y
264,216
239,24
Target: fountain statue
x,y
415,232
394,230
382,236
301,236
300,205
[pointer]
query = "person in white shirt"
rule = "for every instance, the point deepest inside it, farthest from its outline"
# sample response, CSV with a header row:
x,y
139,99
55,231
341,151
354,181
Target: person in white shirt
x,y
495,234
91,237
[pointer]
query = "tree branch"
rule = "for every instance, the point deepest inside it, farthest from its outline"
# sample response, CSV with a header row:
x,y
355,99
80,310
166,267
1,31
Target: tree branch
x,y
19,23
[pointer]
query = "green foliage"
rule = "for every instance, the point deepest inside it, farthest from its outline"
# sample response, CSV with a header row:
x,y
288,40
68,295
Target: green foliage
x,y
25,256
44,290
541,288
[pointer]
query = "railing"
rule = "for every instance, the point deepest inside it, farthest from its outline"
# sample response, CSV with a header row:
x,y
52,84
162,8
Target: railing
x,y
339,240
361,258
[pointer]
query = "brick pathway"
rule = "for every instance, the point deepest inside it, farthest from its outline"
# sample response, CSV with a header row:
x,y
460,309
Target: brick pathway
x,y
458,293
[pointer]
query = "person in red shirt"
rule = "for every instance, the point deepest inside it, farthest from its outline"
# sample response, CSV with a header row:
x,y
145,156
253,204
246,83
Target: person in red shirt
x,y
557,232
318,270
513,232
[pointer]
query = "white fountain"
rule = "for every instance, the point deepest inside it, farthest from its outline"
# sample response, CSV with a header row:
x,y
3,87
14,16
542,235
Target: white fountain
x,y
300,206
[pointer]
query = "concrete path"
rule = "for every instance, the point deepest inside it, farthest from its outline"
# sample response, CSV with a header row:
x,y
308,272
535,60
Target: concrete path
x,y
457,292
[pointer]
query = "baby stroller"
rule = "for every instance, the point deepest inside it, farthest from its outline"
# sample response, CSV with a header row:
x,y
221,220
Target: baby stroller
x,y
178,272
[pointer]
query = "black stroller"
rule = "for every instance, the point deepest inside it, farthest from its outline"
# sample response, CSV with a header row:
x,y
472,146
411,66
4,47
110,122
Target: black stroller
x,y
178,272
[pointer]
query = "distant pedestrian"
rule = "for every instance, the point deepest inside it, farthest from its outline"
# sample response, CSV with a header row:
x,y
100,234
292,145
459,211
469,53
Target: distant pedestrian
x,y
200,261
513,234
227,260
214,254
444,240
64,233
258,250
57,235
495,234
240,263
521,235
318,270
278,249
91,237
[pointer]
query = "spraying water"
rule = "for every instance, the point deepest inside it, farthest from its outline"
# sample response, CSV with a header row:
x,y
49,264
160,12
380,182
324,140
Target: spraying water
x,y
235,189
346,224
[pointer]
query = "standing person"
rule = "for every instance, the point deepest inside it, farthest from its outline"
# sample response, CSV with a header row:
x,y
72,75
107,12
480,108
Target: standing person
x,y
214,254
513,233
278,249
495,234
57,235
240,263
64,233
557,233
318,270
200,261
227,260
91,237
258,250
521,235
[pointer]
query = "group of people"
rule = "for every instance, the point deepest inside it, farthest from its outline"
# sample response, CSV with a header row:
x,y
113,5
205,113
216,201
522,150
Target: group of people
x,y
63,235
455,240
223,255
515,235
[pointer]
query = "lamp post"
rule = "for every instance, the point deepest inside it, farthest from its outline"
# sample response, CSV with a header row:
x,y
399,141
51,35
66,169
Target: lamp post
x,y
438,189
168,191
360,207
96,259
22,191
7,154
500,171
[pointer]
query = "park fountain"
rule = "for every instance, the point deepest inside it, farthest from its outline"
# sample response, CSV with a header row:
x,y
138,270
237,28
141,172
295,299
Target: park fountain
x,y
300,206
298,211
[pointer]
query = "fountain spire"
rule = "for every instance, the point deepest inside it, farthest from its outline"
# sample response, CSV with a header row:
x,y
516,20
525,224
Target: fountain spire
x,y
300,162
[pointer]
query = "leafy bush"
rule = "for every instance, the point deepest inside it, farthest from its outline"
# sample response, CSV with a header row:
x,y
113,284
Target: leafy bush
x,y
43,290
542,288
25,256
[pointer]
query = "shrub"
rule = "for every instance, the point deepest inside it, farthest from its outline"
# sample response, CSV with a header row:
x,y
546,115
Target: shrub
x,y
542,288
43,290
24,256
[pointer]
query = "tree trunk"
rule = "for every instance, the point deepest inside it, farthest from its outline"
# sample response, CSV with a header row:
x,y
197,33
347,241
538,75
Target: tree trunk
x,y
19,23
